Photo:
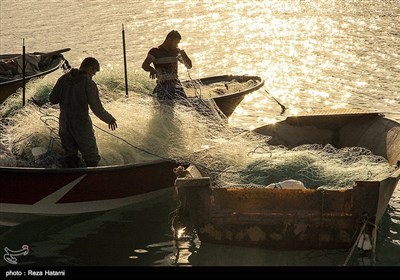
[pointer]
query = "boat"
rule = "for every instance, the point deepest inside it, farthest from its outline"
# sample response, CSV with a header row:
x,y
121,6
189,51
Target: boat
x,y
300,218
48,62
227,91
27,193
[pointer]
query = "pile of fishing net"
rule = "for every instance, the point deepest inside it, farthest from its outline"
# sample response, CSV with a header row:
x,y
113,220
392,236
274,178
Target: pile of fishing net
x,y
186,132
315,166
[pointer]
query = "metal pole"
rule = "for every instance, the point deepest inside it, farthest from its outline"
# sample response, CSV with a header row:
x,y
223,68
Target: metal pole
x,y
125,68
23,72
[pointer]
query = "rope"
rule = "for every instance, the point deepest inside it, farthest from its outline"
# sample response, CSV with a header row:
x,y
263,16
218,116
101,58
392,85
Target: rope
x,y
175,224
45,118
374,238
133,146
322,210
355,244
194,85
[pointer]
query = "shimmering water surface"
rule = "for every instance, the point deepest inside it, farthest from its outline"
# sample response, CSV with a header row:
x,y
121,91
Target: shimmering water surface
x,y
313,55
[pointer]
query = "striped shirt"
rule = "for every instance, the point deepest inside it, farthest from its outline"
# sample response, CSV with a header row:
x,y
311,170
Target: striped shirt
x,y
165,62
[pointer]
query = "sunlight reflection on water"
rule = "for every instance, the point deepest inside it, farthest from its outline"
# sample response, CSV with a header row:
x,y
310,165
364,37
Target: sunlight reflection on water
x,y
312,54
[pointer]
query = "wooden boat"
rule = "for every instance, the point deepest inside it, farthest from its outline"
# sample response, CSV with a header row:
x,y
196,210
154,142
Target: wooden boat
x,y
227,91
301,218
49,62
28,192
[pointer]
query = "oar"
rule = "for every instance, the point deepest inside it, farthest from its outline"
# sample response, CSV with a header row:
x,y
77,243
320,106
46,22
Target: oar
x,y
280,104
55,52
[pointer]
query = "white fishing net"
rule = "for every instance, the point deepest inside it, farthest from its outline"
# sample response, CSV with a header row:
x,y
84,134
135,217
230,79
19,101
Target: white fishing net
x,y
196,88
314,165
188,132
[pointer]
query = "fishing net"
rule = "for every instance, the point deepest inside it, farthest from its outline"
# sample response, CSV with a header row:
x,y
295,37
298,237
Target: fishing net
x,y
315,166
197,88
185,131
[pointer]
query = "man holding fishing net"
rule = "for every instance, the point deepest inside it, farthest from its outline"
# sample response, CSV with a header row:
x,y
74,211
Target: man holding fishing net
x,y
165,60
76,91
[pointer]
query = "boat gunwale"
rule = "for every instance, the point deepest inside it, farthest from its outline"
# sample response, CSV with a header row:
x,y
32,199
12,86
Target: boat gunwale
x,y
60,59
220,78
98,169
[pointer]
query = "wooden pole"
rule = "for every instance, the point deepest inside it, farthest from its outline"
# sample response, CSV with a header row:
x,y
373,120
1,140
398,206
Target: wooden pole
x,y
23,72
125,67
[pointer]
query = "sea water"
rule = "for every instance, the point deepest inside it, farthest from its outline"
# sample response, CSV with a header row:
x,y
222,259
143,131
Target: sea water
x,y
313,55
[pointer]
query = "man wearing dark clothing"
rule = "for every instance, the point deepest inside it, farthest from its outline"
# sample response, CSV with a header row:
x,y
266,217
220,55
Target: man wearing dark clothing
x,y
165,60
75,92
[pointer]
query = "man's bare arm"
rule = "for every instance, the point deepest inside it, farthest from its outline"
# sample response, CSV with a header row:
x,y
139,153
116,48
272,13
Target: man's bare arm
x,y
186,60
147,67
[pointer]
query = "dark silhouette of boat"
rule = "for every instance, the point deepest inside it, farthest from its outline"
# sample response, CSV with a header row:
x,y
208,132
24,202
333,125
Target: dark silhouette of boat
x,y
42,64
301,218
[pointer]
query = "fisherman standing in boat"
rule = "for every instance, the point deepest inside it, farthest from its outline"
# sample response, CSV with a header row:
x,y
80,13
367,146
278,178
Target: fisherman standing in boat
x,y
165,60
76,91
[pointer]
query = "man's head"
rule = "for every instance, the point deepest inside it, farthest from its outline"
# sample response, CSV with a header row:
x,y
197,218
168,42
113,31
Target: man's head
x,y
90,65
172,40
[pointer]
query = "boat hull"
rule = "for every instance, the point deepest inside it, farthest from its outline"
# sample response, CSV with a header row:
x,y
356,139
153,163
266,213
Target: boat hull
x,y
8,87
227,103
300,218
285,219
42,191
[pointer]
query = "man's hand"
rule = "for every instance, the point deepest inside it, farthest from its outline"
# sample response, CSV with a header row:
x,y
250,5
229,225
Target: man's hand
x,y
185,59
153,73
113,125
147,67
